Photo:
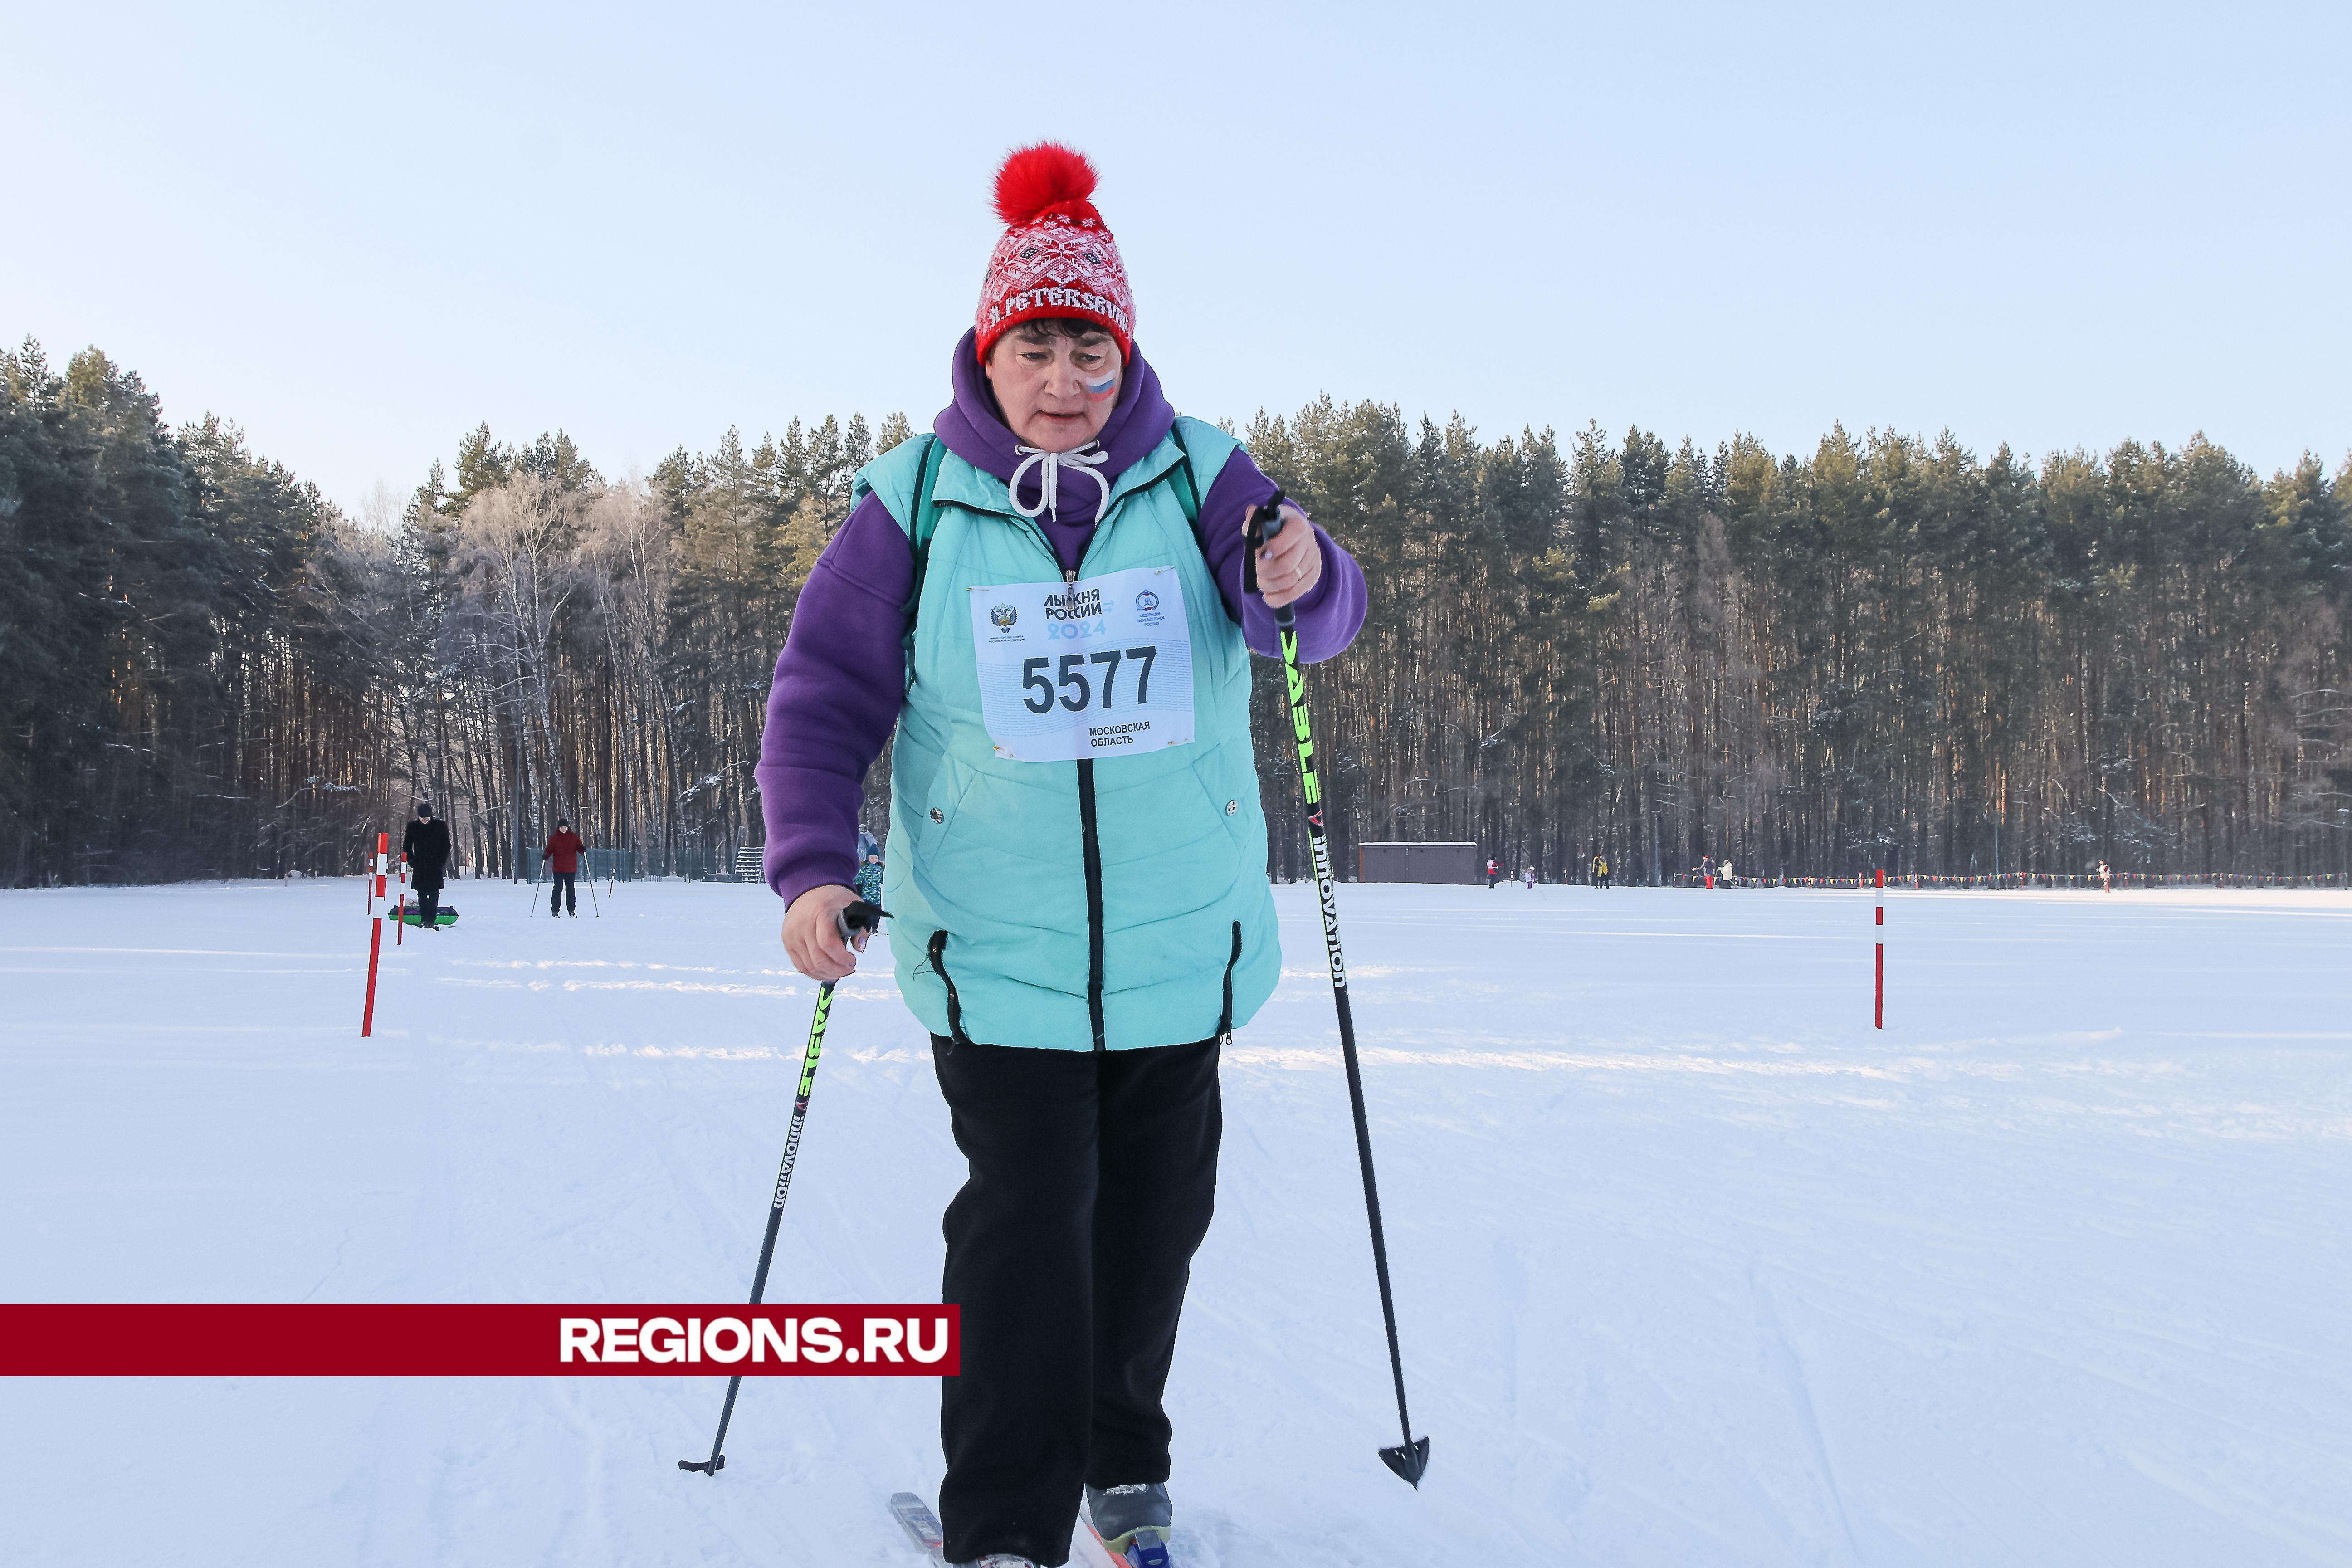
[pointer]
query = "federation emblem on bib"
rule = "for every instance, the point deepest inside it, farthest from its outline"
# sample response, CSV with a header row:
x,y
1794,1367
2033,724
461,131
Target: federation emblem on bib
x,y
1003,616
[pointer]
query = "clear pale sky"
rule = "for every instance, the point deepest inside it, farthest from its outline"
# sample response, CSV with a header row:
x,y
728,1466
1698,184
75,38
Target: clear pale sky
x,y
359,231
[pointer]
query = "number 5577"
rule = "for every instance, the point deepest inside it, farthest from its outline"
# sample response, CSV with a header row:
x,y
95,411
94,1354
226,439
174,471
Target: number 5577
x,y
1073,691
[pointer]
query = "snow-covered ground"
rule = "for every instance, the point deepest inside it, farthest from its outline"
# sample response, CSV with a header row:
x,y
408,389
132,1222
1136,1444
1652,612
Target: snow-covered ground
x,y
1693,1266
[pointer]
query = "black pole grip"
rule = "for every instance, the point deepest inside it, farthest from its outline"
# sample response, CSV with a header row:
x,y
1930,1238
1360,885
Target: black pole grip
x,y
851,919
1265,522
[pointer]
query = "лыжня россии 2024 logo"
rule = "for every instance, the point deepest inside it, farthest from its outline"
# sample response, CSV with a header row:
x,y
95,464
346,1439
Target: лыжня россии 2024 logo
x,y
1003,616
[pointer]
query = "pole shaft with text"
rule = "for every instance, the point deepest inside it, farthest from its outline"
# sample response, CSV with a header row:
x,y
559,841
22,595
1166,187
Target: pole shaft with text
x,y
859,915
1410,1458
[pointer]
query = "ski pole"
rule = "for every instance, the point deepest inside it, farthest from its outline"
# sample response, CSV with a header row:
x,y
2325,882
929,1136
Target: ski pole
x,y
1410,1458
859,915
593,907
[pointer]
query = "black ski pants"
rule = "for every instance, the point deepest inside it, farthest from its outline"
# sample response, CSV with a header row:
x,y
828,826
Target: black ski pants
x,y
562,894
427,885
1092,1176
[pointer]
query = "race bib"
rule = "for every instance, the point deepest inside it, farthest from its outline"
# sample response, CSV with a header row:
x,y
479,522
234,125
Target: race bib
x,y
1102,666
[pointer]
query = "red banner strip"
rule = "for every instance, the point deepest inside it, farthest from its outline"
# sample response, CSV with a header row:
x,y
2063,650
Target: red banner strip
x,y
57,1340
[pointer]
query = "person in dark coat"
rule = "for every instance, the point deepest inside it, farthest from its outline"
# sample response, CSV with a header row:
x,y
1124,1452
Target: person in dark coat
x,y
561,854
426,848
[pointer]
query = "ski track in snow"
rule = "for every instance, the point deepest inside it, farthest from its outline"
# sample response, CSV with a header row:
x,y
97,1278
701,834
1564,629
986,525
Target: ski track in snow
x,y
1693,1266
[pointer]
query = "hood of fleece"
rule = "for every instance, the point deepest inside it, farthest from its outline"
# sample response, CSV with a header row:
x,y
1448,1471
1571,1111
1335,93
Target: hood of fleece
x,y
974,429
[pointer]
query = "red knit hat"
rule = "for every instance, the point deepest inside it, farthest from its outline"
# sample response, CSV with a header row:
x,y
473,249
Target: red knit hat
x,y
1058,257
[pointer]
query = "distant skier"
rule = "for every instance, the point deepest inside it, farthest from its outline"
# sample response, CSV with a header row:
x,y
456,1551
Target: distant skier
x,y
869,878
1731,877
1601,872
1531,878
1494,870
562,853
2107,878
1707,869
426,848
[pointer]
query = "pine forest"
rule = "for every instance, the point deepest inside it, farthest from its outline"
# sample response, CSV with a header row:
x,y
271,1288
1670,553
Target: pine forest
x,y
1889,652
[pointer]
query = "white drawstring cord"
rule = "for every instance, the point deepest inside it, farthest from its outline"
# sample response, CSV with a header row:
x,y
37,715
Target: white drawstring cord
x,y
1049,480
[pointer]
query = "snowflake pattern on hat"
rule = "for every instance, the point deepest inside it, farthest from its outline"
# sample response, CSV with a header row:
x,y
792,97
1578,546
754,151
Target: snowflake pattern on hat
x,y
1057,257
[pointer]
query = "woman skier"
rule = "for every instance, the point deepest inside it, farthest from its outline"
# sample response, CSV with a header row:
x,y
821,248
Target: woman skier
x,y
1050,598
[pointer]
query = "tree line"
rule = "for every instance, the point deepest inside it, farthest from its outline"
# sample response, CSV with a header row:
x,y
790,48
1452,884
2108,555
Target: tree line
x,y
1889,651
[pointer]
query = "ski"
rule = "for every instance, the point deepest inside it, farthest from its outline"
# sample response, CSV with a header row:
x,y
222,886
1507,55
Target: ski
x,y
923,1528
921,1525
1088,1548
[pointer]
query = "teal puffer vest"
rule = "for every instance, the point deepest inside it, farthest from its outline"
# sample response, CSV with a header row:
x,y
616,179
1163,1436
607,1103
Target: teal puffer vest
x,y
1107,904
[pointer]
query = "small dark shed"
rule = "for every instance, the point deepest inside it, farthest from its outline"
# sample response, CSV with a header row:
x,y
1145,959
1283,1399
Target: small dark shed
x,y
1457,863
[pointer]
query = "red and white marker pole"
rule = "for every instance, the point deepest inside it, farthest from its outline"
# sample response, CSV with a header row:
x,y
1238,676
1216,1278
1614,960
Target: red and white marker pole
x,y
1878,1011
376,921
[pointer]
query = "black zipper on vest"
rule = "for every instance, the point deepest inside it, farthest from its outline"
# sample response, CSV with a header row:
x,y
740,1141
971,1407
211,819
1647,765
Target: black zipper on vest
x,y
1093,900
1092,847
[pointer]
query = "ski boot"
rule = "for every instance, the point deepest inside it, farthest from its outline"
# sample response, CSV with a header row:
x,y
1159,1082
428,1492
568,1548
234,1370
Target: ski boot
x,y
1133,1522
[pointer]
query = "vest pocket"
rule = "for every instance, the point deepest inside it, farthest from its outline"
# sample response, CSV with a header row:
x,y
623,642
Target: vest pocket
x,y
1225,1017
939,956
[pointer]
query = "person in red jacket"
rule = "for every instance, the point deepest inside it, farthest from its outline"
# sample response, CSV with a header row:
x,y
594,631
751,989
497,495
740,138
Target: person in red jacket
x,y
561,854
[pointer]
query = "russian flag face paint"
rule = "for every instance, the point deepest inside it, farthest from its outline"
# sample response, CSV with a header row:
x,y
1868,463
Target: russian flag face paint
x,y
1098,390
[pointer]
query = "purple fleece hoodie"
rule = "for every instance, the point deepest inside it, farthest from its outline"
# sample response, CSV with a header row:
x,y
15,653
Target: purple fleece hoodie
x,y
841,674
